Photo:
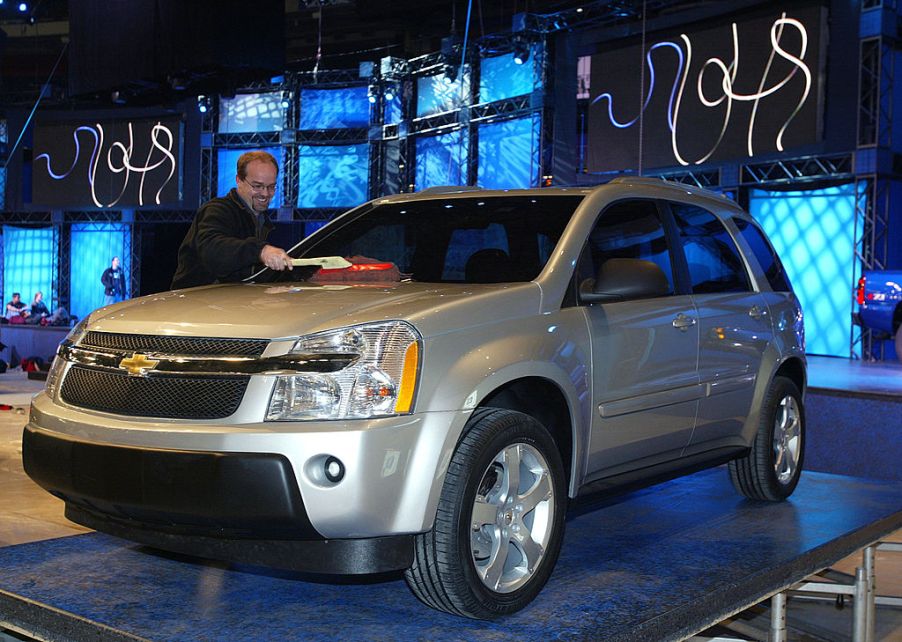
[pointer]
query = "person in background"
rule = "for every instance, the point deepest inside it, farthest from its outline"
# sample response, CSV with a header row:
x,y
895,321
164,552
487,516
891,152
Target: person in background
x,y
39,311
16,311
113,279
227,241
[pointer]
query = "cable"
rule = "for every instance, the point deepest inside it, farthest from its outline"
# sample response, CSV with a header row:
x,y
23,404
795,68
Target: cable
x,y
642,90
36,103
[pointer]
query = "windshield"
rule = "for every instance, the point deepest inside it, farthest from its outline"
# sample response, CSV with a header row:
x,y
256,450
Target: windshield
x,y
453,240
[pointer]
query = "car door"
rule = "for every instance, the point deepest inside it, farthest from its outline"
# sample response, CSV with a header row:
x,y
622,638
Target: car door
x,y
733,322
644,380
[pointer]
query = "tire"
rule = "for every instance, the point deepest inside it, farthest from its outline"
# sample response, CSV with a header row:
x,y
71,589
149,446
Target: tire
x,y
771,469
500,566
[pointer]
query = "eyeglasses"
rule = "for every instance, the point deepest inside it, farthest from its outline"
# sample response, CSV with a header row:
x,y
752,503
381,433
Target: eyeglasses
x,y
260,187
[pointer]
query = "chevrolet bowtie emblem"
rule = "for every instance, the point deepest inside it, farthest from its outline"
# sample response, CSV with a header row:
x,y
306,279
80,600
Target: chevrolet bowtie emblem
x,y
138,364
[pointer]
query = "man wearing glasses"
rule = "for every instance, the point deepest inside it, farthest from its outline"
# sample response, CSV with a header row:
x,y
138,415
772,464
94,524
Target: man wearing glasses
x,y
227,240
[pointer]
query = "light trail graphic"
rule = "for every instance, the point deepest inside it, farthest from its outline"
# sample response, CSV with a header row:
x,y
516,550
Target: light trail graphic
x,y
724,100
119,159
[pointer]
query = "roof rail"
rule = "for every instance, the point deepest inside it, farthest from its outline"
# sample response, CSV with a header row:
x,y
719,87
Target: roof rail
x,y
449,189
663,182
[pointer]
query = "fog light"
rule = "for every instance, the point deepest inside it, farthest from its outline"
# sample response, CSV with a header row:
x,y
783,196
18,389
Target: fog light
x,y
334,470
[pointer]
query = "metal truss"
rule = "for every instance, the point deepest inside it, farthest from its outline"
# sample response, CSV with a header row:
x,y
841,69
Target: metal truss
x,y
707,179
795,170
510,107
327,77
250,139
872,206
207,174
318,213
164,216
444,121
26,218
326,136
875,92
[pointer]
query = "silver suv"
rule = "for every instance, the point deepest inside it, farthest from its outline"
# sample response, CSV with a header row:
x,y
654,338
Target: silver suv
x,y
440,374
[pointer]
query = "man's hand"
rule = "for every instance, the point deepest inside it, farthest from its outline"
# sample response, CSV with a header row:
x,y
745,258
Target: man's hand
x,y
275,258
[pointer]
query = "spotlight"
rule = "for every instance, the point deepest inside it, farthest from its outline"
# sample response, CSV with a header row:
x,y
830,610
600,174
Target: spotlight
x,y
450,74
203,104
391,91
285,104
521,52
23,7
371,94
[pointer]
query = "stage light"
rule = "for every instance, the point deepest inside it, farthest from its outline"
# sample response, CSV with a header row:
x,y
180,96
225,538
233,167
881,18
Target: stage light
x,y
521,51
285,103
371,94
23,7
203,104
390,92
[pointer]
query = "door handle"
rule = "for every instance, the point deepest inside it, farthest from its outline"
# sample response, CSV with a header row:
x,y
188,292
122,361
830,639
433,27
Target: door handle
x,y
683,322
757,313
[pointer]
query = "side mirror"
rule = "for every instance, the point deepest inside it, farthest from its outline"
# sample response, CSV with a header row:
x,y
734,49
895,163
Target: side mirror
x,y
621,279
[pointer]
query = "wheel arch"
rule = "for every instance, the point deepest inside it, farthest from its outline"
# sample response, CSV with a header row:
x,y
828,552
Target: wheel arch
x,y
794,370
543,400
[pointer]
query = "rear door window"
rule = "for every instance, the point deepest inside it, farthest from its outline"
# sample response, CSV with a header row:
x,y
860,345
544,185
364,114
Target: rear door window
x,y
714,262
767,257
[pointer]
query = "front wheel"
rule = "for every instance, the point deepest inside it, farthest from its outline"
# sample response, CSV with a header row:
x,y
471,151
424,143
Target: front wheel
x,y
499,523
771,469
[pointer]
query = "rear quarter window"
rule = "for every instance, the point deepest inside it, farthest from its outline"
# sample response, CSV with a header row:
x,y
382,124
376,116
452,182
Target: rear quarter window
x,y
765,254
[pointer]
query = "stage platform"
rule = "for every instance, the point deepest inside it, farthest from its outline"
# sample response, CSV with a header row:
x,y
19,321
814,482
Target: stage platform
x,y
659,564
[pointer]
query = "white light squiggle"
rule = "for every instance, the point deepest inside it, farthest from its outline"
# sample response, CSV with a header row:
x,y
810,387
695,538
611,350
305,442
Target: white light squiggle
x,y
162,140
729,73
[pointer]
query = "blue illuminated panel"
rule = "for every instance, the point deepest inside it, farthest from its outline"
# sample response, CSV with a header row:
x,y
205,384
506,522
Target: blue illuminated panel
x,y
253,113
333,175
435,95
502,78
93,247
442,159
334,108
814,234
226,168
509,153
29,263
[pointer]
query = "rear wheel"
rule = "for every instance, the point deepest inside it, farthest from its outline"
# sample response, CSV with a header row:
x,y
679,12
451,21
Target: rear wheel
x,y
499,523
772,467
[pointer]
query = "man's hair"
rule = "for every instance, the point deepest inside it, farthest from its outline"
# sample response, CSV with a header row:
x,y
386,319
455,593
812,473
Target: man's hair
x,y
16,294
249,157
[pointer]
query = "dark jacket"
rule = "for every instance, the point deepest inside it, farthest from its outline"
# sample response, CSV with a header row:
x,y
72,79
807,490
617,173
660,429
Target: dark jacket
x,y
111,284
223,244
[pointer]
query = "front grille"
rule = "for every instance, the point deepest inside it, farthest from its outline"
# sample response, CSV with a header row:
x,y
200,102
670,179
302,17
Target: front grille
x,y
160,344
161,396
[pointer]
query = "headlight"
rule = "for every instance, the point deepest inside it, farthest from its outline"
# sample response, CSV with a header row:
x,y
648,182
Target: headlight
x,y
75,335
380,381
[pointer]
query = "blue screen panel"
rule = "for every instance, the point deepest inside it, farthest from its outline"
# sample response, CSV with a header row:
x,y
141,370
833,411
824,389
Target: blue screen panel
x,y
29,263
501,77
252,113
509,153
333,176
435,95
226,170
335,108
814,234
442,159
92,250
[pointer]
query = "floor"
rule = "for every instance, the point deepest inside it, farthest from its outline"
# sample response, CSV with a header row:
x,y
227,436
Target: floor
x,y
28,513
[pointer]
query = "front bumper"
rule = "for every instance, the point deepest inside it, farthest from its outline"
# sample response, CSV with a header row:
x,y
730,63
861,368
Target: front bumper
x,y
243,507
203,487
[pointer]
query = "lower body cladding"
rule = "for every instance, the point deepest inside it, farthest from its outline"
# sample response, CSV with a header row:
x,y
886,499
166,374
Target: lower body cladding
x,y
323,497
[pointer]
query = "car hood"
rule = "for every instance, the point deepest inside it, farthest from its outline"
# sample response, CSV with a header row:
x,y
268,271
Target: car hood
x,y
273,311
